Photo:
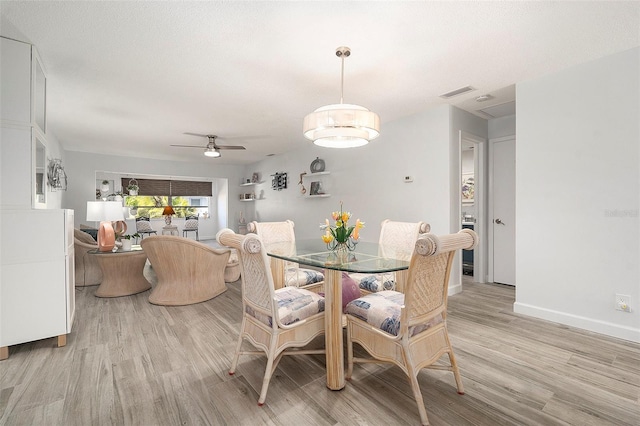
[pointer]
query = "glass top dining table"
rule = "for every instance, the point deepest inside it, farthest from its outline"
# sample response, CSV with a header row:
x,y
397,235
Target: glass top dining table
x,y
368,258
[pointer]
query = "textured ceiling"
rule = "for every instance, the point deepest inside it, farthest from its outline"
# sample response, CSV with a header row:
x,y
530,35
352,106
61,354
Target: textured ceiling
x,y
130,78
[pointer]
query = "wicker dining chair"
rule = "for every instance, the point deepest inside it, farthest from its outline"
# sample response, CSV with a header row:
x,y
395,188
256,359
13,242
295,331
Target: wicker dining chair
x,y
274,321
283,235
397,240
410,329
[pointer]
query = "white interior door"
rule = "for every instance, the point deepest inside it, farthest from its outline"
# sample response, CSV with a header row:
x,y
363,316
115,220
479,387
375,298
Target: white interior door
x,y
503,215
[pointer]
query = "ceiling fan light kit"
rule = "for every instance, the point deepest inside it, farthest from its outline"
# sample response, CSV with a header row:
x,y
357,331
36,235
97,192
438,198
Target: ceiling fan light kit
x,y
211,149
341,125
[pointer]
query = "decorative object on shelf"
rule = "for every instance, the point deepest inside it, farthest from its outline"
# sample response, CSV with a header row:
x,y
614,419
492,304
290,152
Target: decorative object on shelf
x,y
279,181
341,236
317,165
341,125
133,187
167,212
255,178
303,190
105,186
56,175
316,188
105,212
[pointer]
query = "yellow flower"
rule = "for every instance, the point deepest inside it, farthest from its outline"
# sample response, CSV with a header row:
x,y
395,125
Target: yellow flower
x,y
327,238
345,216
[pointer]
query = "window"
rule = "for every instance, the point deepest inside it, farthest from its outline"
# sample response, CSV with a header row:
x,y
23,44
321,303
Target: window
x,y
186,197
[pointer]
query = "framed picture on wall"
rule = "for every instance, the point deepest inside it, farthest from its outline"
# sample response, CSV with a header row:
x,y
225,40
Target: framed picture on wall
x,y
468,188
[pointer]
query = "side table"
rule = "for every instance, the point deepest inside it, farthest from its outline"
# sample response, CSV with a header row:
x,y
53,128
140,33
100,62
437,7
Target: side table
x,y
170,230
122,272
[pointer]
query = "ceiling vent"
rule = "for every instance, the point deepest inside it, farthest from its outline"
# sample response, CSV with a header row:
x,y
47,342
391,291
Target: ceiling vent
x,y
500,110
457,92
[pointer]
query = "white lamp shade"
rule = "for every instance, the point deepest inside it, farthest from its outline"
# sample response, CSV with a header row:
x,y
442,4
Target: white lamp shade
x,y
341,126
101,211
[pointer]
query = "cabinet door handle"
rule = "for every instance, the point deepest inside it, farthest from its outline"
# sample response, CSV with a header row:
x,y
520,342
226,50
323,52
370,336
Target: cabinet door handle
x,y
499,222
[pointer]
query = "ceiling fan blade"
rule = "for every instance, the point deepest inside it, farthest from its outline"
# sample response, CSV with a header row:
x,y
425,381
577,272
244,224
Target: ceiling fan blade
x,y
230,147
190,146
195,134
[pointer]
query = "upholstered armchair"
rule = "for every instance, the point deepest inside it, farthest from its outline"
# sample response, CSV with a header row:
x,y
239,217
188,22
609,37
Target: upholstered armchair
x,y
282,235
188,271
143,226
397,240
87,269
274,321
190,225
410,329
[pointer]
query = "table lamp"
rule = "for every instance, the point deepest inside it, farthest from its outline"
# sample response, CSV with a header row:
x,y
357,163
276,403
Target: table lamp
x,y
167,212
105,212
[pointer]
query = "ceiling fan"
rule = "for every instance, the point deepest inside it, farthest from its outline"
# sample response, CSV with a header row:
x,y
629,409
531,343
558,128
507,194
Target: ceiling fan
x,y
212,149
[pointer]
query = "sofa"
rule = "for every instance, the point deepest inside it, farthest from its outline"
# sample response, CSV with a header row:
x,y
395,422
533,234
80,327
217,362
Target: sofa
x,y
87,269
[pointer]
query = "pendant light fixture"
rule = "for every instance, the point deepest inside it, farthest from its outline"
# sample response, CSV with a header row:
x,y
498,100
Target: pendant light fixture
x,y
341,125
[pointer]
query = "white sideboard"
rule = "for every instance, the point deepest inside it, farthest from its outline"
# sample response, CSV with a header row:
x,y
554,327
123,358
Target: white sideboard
x,y
37,281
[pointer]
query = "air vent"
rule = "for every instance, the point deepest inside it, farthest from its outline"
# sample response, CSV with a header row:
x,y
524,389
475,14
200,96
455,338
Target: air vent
x,y
500,110
457,92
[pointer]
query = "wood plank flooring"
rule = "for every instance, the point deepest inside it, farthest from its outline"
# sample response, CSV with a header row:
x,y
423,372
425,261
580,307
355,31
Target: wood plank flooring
x,y
128,362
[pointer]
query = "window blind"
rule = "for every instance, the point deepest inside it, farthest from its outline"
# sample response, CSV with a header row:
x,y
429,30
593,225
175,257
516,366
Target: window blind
x,y
172,187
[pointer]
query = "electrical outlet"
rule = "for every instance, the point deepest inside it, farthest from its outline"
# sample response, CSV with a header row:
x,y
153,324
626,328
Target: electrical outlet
x,y
623,302
408,179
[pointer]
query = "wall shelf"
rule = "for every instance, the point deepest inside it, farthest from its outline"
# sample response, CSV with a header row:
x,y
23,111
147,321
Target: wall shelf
x,y
251,183
318,196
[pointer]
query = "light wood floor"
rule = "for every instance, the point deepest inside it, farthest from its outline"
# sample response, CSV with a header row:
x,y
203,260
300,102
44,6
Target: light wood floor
x,y
130,362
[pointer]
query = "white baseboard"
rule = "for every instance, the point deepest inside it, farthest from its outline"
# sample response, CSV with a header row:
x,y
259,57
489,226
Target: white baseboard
x,y
454,289
602,327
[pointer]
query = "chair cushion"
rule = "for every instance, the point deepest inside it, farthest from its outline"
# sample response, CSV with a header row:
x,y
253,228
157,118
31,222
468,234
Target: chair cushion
x,y
191,224
382,310
294,304
375,283
143,226
298,277
350,290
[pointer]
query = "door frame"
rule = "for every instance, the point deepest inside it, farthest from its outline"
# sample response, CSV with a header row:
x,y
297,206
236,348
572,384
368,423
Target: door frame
x,y
490,203
479,164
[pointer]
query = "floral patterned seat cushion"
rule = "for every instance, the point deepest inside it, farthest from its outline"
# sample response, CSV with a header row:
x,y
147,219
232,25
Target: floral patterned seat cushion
x,y
191,224
294,304
298,277
376,282
382,310
143,226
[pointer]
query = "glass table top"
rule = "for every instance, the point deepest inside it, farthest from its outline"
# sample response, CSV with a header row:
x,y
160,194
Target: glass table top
x,y
366,258
119,251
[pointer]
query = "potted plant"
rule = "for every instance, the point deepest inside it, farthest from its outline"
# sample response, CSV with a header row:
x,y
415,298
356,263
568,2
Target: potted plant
x,y
133,189
105,185
126,241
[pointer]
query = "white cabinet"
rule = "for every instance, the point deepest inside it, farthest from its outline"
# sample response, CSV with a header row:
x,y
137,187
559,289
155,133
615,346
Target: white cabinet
x,y
15,70
23,124
37,282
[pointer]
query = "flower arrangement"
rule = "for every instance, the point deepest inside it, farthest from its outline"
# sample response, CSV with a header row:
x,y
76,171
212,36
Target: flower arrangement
x,y
341,234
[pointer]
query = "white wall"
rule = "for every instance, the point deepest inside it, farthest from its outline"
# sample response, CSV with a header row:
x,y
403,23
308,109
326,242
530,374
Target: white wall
x,y
578,185
503,126
81,169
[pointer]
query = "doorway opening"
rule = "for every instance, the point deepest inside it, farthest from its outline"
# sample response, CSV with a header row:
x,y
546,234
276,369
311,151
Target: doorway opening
x,y
472,202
